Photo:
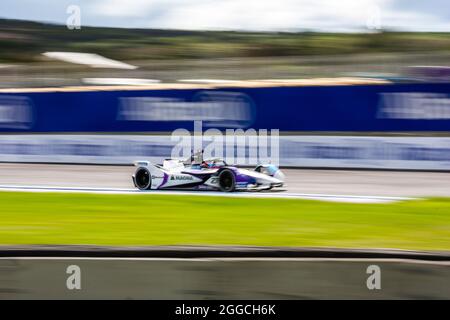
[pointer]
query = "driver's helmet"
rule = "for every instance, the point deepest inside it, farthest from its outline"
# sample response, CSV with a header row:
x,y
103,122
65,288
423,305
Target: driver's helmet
x,y
207,164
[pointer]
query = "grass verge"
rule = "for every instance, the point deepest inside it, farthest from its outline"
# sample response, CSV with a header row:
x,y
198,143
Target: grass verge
x,y
57,218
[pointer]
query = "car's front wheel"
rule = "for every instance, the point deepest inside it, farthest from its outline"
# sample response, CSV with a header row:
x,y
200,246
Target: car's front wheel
x,y
143,179
227,181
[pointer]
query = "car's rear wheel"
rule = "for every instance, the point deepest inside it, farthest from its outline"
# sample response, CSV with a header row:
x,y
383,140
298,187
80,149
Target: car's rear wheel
x,y
143,179
227,181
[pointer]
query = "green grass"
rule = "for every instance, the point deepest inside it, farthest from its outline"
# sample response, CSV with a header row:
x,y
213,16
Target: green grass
x,y
52,218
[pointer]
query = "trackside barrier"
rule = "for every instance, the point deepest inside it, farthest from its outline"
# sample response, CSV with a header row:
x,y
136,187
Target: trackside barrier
x,y
410,153
221,278
421,107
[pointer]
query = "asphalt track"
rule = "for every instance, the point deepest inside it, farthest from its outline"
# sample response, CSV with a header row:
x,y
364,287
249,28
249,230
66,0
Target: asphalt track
x,y
334,185
198,272
222,278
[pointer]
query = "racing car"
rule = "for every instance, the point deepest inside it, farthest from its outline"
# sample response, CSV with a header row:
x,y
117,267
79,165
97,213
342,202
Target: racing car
x,y
211,174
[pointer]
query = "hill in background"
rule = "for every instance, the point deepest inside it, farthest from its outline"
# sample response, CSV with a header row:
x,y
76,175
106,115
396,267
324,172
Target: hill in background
x,y
24,41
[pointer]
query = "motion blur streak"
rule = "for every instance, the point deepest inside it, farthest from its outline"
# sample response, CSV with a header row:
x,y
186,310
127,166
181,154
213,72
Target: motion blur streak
x,y
306,181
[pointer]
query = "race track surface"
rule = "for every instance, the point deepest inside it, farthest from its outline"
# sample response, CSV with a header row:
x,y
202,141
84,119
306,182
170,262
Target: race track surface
x,y
323,183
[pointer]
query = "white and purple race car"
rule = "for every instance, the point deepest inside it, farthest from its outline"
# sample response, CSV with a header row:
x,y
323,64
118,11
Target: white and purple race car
x,y
212,174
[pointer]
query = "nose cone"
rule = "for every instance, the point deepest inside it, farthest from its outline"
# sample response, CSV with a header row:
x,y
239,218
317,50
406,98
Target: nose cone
x,y
279,175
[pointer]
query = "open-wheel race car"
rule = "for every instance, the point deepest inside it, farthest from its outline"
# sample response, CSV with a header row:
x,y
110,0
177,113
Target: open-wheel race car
x,y
210,174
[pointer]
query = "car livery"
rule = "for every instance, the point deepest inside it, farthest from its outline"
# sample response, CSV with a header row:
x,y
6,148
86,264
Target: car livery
x,y
213,174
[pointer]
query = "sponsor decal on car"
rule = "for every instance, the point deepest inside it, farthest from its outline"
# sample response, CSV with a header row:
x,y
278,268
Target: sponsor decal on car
x,y
181,178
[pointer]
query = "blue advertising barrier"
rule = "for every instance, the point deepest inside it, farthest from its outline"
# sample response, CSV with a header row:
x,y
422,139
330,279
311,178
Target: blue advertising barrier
x,y
390,107
324,151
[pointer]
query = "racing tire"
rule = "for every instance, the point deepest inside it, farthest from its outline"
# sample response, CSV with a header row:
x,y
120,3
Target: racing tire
x,y
143,179
227,181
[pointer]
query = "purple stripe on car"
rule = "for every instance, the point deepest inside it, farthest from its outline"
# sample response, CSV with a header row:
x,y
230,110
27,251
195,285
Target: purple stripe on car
x,y
166,177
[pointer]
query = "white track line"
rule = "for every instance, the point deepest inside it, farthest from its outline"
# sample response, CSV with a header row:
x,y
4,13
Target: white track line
x,y
307,196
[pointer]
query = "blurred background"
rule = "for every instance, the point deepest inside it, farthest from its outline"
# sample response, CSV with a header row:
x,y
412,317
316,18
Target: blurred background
x,y
173,55
359,94
352,85
176,40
